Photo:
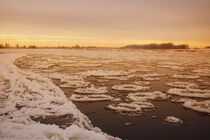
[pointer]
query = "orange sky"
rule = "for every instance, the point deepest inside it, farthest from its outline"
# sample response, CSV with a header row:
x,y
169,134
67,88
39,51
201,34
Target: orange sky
x,y
108,23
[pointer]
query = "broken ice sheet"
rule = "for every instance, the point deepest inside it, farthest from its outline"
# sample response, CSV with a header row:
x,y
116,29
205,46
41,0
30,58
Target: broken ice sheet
x,y
200,106
190,92
90,98
91,90
130,87
173,120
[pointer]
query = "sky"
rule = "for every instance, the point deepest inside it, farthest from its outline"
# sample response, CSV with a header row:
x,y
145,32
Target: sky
x,y
105,23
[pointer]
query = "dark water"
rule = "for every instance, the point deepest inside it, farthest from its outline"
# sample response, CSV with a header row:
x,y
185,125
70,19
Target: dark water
x,y
196,125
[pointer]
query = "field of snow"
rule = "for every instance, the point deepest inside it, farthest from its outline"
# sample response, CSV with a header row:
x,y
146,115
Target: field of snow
x,y
42,83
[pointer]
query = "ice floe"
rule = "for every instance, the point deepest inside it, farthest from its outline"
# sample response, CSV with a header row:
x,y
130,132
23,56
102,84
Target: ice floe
x,y
142,96
130,87
104,73
182,85
174,120
91,90
125,107
179,100
142,83
90,98
190,92
184,76
202,72
200,106
131,109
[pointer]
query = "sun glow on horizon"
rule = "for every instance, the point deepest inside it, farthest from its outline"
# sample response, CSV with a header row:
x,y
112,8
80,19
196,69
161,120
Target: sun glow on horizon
x,y
104,23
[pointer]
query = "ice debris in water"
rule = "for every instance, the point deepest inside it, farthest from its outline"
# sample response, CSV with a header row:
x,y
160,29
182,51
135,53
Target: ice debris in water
x,y
190,92
174,120
91,90
68,81
125,107
139,102
150,76
74,84
130,87
90,98
202,72
131,109
142,96
142,83
179,100
104,73
200,106
185,76
182,85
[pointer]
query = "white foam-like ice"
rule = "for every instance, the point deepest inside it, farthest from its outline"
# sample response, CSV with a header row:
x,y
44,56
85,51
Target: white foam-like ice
x,y
104,73
90,98
190,92
130,87
142,83
200,106
184,76
91,90
182,85
174,120
143,96
125,107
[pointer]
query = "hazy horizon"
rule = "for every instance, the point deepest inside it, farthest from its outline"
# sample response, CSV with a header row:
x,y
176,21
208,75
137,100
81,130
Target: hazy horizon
x,y
104,23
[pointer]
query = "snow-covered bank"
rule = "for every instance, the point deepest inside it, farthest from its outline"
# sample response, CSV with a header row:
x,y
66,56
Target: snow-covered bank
x,y
25,95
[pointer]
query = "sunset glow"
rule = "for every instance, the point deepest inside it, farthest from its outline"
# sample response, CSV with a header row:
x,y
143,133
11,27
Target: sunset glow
x,y
104,23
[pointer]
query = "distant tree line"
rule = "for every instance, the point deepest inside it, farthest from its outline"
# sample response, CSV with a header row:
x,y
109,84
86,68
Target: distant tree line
x,y
157,46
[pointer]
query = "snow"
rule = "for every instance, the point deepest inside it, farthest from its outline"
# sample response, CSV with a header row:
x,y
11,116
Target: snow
x,y
200,106
130,87
190,92
38,131
174,120
90,98
91,90
32,95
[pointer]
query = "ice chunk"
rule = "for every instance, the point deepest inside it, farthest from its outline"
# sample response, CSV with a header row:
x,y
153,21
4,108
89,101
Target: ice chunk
x,y
130,87
182,85
174,120
190,92
125,107
90,98
179,100
142,83
104,73
142,96
200,106
91,90
184,76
